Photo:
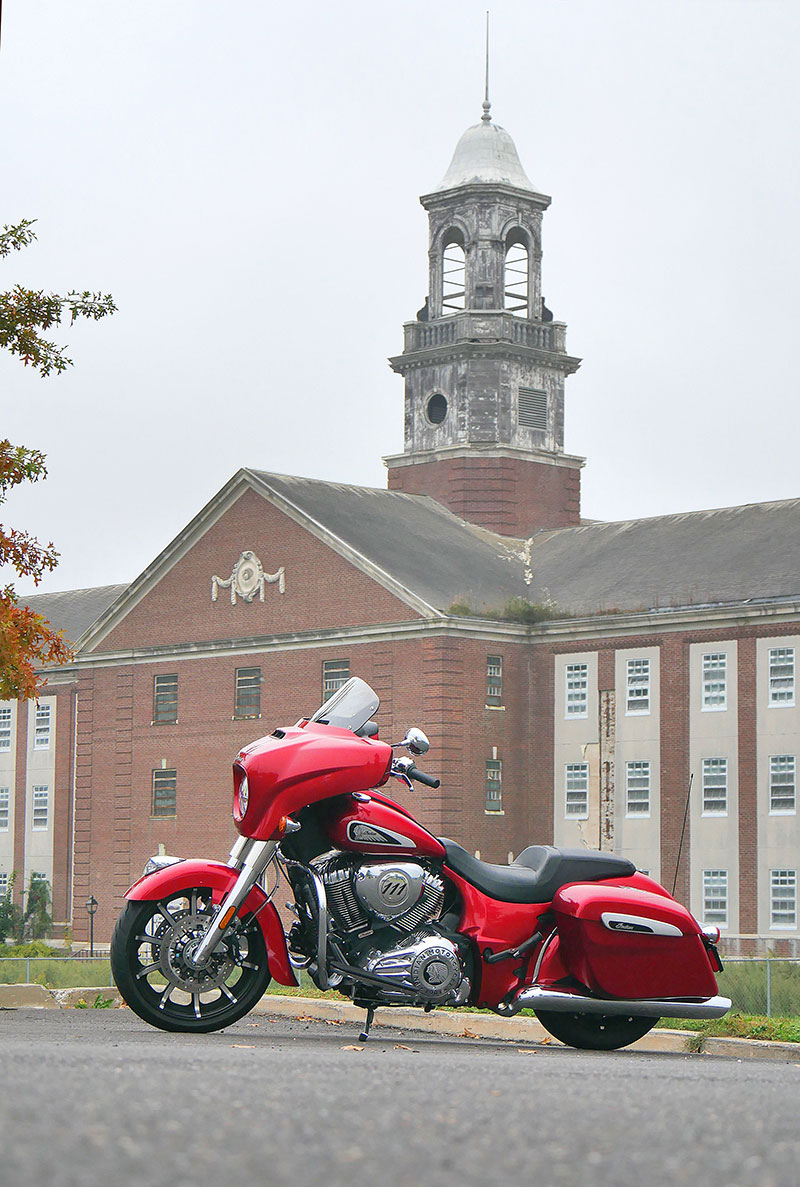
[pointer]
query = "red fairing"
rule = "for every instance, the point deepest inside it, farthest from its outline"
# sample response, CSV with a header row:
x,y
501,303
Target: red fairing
x,y
298,766
381,827
184,875
631,944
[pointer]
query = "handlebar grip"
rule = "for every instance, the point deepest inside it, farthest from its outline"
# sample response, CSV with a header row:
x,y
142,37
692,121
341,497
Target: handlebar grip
x,y
421,777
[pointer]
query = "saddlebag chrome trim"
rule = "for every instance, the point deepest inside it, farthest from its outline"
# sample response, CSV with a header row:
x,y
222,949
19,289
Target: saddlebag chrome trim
x,y
537,998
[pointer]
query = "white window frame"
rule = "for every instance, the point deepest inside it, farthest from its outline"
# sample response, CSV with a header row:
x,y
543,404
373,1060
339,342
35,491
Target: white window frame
x,y
5,809
335,673
715,897
637,686
712,769
783,890
638,771
781,697
6,727
3,884
571,772
494,681
42,726
782,765
40,808
576,690
715,682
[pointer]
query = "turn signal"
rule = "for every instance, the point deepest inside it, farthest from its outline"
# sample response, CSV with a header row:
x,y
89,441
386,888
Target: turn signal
x,y
286,825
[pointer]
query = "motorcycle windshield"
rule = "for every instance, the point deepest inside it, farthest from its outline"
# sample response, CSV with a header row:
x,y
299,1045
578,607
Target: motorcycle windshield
x,y
350,707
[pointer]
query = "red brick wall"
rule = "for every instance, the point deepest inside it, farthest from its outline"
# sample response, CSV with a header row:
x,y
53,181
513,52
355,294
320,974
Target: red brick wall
x,y
322,589
508,495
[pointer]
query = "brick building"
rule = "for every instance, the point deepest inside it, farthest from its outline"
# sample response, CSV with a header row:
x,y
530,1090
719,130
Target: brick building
x,y
572,676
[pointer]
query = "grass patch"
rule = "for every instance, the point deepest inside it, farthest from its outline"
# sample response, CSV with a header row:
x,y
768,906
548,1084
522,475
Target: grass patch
x,y
515,610
55,973
739,1026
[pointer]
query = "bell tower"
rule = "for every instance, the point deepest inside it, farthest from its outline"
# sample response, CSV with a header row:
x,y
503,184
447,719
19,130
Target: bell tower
x,y
484,362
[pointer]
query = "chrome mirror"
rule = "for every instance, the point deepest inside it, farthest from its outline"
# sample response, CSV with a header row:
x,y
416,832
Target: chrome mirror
x,y
416,741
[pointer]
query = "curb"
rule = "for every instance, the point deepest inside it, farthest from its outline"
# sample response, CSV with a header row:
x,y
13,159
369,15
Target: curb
x,y
441,1022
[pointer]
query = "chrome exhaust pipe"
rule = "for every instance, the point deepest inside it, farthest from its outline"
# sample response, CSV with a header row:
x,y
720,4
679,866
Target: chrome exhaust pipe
x,y
537,998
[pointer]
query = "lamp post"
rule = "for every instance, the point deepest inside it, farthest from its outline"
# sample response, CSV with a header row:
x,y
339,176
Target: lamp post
x,y
91,907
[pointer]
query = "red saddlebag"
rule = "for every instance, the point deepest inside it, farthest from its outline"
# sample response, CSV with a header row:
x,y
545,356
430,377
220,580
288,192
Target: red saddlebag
x,y
629,943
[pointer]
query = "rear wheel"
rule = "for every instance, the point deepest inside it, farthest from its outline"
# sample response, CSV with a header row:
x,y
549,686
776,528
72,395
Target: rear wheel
x,y
148,959
595,1032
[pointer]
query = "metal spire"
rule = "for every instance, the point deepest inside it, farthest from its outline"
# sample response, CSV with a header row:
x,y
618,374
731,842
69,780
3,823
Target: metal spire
x,y
486,117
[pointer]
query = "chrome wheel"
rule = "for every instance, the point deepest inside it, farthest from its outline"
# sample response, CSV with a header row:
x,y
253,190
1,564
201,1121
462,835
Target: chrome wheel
x,y
150,957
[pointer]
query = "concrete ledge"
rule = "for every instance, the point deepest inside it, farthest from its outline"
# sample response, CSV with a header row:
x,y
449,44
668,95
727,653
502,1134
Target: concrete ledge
x,y
26,997
70,997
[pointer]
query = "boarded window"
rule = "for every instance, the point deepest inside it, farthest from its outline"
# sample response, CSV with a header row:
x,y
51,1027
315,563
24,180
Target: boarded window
x,y
637,788
165,793
576,785
638,686
335,673
715,897
783,898
782,783
494,680
165,698
715,786
41,808
247,701
494,785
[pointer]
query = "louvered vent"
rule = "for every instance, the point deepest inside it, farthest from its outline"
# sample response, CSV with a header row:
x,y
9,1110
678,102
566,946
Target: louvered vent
x,y
533,409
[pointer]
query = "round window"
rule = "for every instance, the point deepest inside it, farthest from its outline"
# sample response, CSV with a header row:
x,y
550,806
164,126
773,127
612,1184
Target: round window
x,y
437,408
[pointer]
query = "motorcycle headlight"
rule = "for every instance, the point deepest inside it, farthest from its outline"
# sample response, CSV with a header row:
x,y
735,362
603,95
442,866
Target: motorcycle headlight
x,y
244,796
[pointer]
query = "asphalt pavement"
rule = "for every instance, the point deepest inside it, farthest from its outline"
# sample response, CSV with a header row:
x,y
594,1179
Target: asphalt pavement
x,y
98,1097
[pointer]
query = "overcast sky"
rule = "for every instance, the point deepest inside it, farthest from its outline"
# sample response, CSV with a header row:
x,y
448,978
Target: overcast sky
x,y
244,178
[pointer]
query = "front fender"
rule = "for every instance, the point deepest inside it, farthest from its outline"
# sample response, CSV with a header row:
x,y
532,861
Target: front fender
x,y
183,875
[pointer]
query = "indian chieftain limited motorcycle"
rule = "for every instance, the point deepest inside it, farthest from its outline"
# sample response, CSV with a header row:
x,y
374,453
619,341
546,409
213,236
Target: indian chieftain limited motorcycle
x,y
388,914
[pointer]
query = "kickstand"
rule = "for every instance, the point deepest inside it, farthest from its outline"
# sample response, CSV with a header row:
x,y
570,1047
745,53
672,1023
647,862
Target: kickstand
x,y
365,1032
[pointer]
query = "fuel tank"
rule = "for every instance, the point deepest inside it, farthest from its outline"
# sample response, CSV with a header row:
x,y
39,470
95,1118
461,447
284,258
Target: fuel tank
x,y
374,824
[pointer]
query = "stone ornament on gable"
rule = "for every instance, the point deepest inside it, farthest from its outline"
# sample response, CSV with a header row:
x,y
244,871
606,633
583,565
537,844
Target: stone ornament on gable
x,y
248,579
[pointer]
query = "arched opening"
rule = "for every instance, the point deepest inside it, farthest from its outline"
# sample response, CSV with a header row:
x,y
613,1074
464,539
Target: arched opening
x,y
454,272
515,279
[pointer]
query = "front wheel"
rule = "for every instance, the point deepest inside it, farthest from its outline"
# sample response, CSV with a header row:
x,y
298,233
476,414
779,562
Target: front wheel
x,y
595,1032
150,969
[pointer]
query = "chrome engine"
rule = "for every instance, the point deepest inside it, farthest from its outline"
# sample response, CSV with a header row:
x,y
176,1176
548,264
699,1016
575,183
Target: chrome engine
x,y
385,912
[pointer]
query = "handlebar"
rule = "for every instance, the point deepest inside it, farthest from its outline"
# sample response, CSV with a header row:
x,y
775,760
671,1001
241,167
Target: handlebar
x,y
420,776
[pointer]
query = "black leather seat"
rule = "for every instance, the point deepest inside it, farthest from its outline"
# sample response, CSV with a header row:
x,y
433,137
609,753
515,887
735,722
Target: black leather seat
x,y
538,872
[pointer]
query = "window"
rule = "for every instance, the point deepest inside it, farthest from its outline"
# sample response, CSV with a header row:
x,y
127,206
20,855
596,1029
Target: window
x,y
165,793
5,728
638,677
248,693
436,408
783,898
637,789
454,273
782,776
494,680
715,786
577,789
165,698
41,728
781,676
41,808
515,279
715,681
715,897
3,884
5,808
494,785
577,685
335,673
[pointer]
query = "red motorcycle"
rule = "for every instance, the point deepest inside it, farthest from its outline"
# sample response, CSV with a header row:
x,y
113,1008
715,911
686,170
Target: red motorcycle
x,y
388,914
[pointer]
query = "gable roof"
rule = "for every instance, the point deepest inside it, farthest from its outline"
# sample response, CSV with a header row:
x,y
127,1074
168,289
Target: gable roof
x,y
74,610
727,555
413,539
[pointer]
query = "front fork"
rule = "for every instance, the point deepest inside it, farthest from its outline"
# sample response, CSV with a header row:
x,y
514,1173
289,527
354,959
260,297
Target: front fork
x,y
251,858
